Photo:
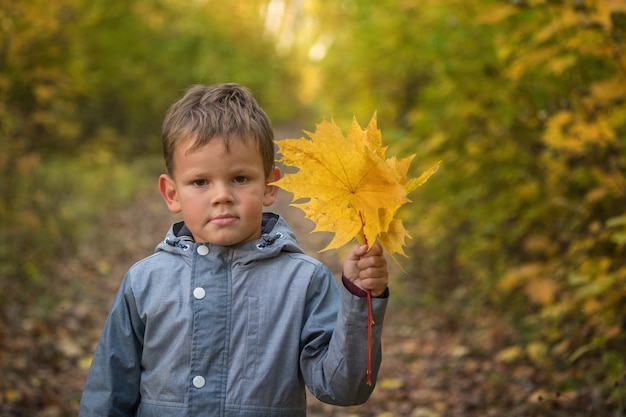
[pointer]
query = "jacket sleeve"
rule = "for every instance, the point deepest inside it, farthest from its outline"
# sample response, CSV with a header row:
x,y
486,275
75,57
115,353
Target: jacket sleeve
x,y
112,387
333,359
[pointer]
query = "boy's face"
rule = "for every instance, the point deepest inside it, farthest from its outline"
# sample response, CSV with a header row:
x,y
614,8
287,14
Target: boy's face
x,y
220,193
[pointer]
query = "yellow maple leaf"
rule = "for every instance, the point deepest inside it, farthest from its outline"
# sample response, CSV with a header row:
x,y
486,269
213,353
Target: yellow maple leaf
x,y
350,188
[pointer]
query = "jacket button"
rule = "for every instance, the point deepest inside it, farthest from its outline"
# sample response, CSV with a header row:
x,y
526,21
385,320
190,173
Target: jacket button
x,y
198,381
199,293
203,250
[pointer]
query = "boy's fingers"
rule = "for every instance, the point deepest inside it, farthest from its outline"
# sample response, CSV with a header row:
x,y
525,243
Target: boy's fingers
x,y
375,250
357,252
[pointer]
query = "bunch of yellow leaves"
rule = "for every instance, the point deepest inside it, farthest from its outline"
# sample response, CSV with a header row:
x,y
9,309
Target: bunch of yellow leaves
x,y
353,191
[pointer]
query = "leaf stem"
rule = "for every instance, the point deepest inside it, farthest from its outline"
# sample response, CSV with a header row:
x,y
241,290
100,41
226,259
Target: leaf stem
x,y
370,322
370,316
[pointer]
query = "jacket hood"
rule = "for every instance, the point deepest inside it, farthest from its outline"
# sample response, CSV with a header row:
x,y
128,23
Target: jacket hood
x,y
276,237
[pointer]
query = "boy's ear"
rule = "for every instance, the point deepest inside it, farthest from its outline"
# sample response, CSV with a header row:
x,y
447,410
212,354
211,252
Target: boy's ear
x,y
271,191
167,187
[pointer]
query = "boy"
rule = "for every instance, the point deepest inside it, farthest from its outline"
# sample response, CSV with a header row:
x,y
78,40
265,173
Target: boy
x,y
229,317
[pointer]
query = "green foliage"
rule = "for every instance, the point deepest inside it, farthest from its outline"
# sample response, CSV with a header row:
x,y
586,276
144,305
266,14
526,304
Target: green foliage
x,y
69,69
526,106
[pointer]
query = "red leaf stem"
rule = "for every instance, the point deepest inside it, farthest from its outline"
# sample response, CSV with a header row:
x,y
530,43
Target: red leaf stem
x,y
370,319
370,322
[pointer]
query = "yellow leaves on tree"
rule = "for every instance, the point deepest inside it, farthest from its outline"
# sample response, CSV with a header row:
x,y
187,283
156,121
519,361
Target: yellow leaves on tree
x,y
353,191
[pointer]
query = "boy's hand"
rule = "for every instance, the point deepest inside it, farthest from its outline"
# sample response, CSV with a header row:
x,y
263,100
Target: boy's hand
x,y
367,270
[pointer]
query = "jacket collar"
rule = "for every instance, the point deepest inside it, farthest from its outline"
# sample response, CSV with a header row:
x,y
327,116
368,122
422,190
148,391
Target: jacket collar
x,y
276,236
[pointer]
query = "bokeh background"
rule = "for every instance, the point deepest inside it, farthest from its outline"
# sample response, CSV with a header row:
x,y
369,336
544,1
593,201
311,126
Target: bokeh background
x,y
513,298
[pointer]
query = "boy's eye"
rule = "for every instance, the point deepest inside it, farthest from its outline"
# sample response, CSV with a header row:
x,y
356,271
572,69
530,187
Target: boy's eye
x,y
240,179
199,183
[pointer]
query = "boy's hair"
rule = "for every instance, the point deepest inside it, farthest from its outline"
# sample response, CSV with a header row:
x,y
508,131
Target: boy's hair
x,y
228,111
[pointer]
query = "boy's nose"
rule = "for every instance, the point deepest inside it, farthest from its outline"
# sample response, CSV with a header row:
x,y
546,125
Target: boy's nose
x,y
222,193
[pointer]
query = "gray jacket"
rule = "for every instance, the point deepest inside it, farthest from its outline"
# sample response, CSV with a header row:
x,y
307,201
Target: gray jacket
x,y
204,330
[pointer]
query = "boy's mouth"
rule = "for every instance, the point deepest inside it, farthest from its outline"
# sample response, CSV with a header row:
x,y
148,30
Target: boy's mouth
x,y
223,220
